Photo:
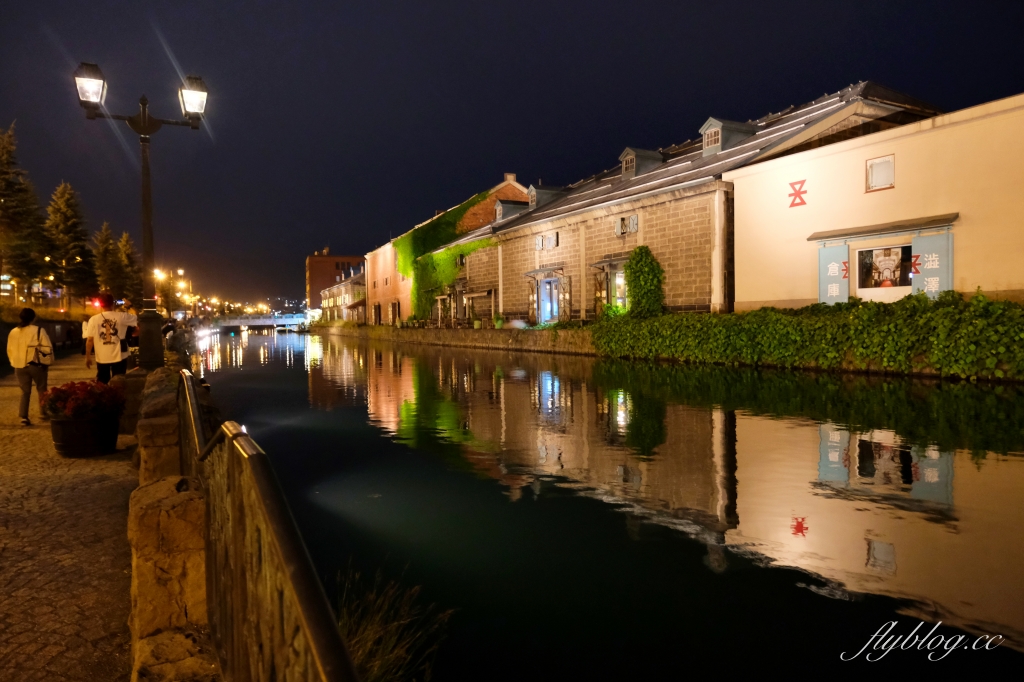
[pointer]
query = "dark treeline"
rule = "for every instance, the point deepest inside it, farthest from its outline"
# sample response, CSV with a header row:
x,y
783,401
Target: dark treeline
x,y
54,248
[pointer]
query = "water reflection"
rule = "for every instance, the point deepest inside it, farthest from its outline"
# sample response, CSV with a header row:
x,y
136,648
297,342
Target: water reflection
x,y
894,488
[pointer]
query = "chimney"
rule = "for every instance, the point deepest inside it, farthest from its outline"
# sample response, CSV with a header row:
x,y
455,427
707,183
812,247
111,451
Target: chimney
x,y
510,177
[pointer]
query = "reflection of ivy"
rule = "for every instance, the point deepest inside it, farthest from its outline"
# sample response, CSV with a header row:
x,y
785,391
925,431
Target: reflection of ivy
x,y
433,271
432,422
950,336
960,415
646,427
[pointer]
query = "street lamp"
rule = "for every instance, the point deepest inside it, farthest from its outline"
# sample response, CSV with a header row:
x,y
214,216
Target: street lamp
x,y
92,92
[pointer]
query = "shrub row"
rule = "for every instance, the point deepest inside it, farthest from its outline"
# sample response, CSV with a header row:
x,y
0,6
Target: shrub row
x,y
948,336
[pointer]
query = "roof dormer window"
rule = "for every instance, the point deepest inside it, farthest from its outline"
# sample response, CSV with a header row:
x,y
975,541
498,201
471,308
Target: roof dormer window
x,y
712,138
533,197
629,165
497,210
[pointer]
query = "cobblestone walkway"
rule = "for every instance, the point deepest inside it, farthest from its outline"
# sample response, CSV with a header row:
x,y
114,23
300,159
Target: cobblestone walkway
x,y
64,557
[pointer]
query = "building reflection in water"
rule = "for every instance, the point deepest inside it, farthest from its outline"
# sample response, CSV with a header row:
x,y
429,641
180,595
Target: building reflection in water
x,y
860,508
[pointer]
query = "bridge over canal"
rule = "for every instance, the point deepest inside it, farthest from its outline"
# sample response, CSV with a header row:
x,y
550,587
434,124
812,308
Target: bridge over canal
x,y
289,320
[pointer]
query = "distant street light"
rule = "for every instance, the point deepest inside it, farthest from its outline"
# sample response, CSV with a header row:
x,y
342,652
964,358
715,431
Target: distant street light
x,y
92,92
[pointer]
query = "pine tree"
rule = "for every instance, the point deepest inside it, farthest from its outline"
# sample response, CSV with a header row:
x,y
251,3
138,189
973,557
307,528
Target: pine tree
x,y
23,242
70,258
129,262
110,268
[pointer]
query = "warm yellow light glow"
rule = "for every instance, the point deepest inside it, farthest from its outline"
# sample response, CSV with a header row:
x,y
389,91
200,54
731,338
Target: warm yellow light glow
x,y
158,274
181,284
47,259
214,301
90,90
193,101
180,272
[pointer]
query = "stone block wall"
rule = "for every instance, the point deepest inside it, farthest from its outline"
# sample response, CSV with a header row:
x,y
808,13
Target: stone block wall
x,y
157,429
679,228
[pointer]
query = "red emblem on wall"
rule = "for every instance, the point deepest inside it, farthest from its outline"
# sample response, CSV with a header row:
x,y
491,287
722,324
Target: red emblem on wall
x,y
846,269
798,193
799,526
916,264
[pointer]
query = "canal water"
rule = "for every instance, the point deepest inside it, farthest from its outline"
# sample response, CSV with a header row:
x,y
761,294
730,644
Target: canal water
x,y
595,519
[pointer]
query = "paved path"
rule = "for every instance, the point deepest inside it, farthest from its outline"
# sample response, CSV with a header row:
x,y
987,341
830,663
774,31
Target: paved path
x,y
65,564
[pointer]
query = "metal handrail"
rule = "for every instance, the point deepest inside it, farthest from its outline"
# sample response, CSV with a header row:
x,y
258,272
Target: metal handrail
x,y
313,613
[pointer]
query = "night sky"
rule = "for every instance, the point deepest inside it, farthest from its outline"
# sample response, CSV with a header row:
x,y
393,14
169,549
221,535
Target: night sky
x,y
347,123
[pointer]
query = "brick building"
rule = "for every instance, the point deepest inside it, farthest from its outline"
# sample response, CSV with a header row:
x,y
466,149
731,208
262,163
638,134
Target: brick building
x,y
324,269
389,292
561,258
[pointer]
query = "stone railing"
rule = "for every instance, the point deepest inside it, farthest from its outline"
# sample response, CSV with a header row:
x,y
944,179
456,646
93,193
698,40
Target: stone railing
x,y
268,614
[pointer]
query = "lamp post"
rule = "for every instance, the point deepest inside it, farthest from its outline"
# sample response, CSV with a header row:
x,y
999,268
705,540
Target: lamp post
x,y
92,91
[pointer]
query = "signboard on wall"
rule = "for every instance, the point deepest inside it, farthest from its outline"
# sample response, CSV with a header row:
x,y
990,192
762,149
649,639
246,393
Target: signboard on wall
x,y
834,274
933,263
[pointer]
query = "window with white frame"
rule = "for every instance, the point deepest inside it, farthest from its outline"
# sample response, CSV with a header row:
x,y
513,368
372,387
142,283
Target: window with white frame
x,y
626,225
712,137
881,173
628,164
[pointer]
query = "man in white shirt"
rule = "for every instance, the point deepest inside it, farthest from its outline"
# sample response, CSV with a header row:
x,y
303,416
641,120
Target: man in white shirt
x,y
104,335
30,351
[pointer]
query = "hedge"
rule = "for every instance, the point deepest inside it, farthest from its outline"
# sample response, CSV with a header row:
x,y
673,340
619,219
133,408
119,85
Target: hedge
x,y
948,336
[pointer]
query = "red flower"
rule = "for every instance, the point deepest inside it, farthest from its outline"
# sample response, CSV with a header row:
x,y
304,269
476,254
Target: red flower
x,y
83,400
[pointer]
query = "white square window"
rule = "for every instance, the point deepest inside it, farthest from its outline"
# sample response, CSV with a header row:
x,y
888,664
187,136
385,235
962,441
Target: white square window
x,y
538,243
881,173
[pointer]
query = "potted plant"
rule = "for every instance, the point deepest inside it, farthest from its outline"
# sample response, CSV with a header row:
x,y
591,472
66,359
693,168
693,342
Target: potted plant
x,y
499,322
84,417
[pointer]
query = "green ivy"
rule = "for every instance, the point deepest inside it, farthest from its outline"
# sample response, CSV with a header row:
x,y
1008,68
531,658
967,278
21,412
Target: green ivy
x,y
949,336
433,271
430,235
644,276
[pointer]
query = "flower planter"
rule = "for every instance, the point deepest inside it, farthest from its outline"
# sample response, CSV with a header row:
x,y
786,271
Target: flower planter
x,y
476,324
84,437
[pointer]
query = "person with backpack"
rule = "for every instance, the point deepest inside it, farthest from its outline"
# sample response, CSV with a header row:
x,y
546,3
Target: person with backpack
x,y
107,335
30,352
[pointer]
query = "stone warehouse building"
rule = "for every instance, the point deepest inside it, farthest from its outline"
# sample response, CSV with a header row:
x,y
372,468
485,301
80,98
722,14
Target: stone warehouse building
x,y
560,257
928,207
388,291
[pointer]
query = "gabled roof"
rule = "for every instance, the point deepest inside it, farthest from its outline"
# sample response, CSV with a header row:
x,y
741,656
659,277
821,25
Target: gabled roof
x,y
686,166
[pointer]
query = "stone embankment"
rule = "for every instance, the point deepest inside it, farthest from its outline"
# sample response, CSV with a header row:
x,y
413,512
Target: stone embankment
x,y
166,531
568,341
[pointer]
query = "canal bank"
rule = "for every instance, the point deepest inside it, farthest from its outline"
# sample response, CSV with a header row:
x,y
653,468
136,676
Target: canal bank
x,y
951,337
564,341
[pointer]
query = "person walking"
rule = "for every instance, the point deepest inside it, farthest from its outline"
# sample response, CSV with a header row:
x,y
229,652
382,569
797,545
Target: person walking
x,y
105,336
30,352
